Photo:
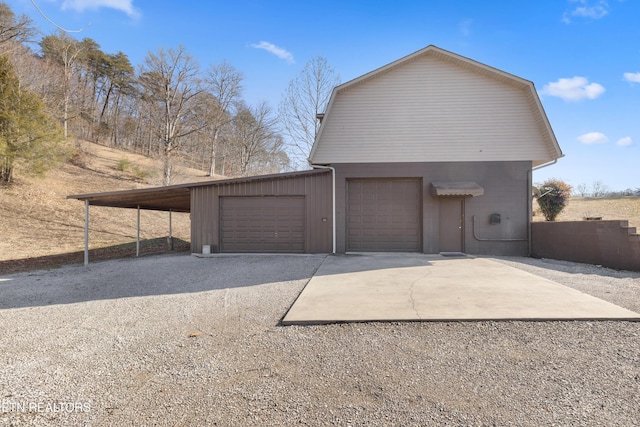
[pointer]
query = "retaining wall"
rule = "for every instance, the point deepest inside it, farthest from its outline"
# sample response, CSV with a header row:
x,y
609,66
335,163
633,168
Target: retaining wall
x,y
611,244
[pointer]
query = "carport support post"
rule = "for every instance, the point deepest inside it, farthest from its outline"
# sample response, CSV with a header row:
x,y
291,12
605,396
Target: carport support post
x,y
86,232
138,234
170,233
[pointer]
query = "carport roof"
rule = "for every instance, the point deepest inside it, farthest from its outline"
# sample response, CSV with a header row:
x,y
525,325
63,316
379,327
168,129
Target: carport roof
x,y
176,198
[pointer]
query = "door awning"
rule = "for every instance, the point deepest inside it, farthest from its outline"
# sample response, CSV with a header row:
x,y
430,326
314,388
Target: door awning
x,y
460,189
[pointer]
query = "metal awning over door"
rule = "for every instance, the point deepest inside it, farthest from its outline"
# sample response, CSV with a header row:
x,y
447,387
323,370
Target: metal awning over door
x,y
457,189
384,215
262,224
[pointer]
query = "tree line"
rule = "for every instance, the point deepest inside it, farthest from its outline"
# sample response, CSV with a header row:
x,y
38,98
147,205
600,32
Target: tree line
x,y
600,189
169,107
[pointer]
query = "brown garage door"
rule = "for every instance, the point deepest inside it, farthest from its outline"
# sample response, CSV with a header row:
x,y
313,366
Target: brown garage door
x,y
262,224
384,215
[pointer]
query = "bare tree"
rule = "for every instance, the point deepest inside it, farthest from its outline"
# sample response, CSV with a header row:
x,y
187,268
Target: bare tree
x,y
172,86
599,189
63,50
14,30
305,98
253,139
581,189
225,84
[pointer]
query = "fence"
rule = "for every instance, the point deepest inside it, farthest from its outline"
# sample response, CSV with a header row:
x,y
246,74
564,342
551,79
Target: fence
x,y
611,244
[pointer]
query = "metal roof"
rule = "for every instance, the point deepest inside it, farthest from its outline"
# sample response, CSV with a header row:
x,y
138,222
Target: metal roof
x,y
457,189
175,198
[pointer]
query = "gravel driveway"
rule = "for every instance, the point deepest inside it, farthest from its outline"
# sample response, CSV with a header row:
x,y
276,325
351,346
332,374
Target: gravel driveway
x,y
175,340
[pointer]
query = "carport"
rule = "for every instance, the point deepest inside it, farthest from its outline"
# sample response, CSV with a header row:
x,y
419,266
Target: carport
x,y
278,213
175,198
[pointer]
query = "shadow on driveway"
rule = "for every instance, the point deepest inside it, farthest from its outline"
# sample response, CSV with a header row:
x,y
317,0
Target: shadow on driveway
x,y
150,275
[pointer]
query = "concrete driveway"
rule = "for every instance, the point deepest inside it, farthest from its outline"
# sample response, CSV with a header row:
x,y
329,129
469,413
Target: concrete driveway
x,y
416,287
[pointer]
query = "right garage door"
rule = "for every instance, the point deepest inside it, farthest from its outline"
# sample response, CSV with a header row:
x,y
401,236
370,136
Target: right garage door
x,y
384,215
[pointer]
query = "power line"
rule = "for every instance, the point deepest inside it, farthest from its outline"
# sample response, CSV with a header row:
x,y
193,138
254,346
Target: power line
x,y
53,23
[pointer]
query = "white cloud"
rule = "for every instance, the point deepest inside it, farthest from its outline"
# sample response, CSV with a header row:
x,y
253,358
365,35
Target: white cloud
x,y
573,89
277,51
465,27
624,142
593,138
593,12
632,77
125,6
587,9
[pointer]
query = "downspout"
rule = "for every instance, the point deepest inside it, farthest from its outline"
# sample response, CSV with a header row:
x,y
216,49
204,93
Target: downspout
x,y
530,212
333,180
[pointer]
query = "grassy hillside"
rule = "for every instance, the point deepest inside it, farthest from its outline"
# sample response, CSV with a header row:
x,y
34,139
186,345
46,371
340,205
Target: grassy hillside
x,y
609,208
37,219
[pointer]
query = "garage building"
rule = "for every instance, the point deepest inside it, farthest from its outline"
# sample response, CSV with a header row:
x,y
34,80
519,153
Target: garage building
x,y
432,153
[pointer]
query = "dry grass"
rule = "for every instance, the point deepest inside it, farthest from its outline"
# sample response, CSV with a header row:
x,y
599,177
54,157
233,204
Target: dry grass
x,y
37,219
609,208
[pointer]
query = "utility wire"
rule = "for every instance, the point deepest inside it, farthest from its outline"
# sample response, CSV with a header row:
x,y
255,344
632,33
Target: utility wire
x,y
53,23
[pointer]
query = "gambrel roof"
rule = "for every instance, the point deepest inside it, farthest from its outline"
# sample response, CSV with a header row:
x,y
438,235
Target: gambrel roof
x,y
435,106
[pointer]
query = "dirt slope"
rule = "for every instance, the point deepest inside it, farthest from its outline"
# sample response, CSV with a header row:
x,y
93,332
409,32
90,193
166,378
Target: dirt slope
x,y
37,219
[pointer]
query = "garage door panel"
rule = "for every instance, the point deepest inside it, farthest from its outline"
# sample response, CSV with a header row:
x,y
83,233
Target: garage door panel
x,y
262,224
384,215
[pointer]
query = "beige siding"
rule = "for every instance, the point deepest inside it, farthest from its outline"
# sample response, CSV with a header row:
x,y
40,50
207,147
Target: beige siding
x,y
429,109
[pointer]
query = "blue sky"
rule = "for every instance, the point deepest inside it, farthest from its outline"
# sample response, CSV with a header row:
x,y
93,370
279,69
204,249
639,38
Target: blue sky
x,y
582,55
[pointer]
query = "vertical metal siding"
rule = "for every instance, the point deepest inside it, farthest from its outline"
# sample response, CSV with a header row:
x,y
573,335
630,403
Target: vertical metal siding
x,y
506,186
317,189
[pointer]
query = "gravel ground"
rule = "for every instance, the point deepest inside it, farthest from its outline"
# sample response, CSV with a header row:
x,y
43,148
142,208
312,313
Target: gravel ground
x,y
176,340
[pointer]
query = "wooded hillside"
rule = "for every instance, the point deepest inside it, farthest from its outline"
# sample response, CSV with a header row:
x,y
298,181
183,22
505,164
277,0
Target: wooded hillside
x,y
168,107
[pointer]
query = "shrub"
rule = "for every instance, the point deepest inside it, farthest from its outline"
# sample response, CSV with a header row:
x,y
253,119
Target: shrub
x,y
80,156
554,196
140,174
123,164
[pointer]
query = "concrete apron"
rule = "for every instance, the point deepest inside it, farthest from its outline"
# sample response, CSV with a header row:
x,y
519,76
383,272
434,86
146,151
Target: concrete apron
x,y
416,287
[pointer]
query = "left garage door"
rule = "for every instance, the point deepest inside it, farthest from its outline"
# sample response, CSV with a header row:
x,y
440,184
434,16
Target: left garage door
x,y
262,224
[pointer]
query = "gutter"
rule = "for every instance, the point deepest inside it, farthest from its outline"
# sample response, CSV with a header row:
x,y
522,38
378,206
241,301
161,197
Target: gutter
x,y
544,165
333,220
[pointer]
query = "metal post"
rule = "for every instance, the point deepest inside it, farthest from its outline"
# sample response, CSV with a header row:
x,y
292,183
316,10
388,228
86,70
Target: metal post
x,y
138,234
86,232
170,232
